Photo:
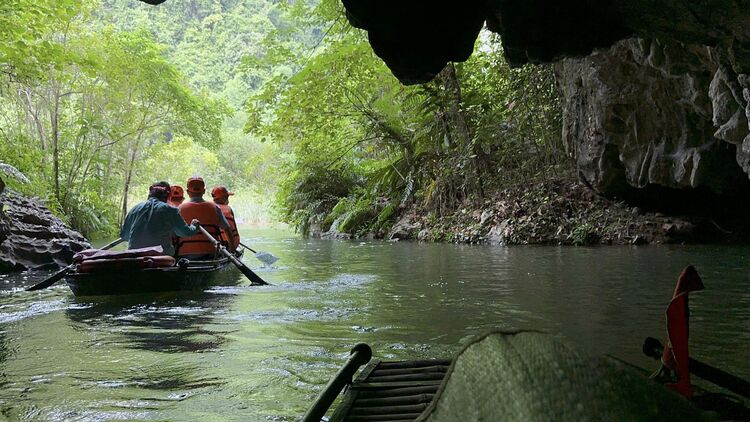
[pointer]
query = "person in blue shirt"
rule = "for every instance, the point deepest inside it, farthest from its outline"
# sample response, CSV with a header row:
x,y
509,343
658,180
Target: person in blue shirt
x,y
153,222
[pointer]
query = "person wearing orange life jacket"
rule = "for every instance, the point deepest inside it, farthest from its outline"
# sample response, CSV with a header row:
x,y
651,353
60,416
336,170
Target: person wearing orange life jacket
x,y
221,195
210,217
176,196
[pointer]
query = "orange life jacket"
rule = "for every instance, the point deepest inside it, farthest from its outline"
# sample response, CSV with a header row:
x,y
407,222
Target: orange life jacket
x,y
229,215
197,244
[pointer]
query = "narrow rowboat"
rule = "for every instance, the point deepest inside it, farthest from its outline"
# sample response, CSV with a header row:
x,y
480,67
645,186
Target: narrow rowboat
x,y
195,275
409,390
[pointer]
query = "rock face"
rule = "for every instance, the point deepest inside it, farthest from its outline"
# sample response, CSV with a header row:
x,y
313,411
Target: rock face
x,y
655,93
417,38
31,237
539,31
650,112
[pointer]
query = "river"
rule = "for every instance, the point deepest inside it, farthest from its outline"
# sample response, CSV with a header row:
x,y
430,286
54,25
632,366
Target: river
x,y
263,353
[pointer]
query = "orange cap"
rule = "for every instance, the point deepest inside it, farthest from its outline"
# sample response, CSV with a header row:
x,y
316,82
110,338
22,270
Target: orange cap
x,y
220,192
177,192
196,185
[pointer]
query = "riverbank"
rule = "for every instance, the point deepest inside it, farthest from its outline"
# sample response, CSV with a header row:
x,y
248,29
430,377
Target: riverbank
x,y
545,212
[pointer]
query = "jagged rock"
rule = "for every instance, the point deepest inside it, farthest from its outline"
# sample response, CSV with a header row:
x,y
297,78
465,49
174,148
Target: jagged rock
x,y
31,237
333,232
485,217
679,231
651,112
416,38
404,229
639,240
497,234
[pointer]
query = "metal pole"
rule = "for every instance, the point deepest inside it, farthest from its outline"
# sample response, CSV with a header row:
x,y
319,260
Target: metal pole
x,y
361,354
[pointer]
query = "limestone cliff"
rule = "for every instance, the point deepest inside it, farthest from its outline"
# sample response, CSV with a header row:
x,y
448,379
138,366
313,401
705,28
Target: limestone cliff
x,y
648,112
655,92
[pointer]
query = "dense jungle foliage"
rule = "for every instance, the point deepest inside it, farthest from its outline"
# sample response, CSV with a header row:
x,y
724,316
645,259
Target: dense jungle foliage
x,y
360,148
283,102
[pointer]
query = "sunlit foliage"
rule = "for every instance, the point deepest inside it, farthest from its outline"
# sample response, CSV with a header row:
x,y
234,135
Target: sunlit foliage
x,y
361,147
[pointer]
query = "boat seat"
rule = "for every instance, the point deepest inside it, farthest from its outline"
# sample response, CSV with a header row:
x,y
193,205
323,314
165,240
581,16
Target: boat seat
x,y
125,264
93,260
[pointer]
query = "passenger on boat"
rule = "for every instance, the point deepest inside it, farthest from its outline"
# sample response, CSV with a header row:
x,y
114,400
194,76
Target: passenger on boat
x,y
221,195
211,218
153,222
176,196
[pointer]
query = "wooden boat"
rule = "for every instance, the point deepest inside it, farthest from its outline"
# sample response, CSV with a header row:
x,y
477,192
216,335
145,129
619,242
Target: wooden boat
x,y
186,276
411,390
404,390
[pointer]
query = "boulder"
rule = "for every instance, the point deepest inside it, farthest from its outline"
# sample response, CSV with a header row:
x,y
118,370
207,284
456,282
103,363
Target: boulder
x,y
31,237
405,228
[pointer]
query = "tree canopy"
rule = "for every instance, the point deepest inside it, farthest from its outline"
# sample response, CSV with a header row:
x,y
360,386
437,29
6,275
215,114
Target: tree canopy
x,y
281,99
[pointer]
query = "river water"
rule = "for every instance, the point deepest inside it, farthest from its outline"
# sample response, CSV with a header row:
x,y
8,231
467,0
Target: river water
x,y
263,353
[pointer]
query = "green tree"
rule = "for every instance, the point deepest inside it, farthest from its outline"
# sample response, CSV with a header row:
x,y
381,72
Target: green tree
x,y
103,99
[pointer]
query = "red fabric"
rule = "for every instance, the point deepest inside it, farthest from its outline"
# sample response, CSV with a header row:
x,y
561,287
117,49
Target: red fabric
x,y
676,355
125,264
94,254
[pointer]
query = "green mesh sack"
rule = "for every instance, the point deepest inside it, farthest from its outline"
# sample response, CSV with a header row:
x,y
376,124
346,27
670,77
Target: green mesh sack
x,y
530,376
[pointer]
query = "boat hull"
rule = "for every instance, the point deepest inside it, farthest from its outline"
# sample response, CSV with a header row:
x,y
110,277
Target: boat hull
x,y
196,276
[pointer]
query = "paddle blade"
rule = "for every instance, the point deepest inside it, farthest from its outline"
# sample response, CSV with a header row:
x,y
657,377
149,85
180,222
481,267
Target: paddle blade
x,y
266,258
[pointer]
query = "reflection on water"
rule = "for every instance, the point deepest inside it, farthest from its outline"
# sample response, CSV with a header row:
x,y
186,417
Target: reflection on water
x,y
259,353
173,325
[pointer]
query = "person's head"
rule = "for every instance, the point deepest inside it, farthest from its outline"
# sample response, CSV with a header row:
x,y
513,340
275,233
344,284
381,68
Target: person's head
x,y
176,195
196,187
221,194
159,190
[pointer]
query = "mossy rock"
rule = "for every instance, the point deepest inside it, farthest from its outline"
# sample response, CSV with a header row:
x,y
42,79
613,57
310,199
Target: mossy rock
x,y
358,218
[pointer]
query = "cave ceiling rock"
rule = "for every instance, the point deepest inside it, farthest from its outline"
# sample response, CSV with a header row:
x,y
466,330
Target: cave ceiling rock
x,y
417,38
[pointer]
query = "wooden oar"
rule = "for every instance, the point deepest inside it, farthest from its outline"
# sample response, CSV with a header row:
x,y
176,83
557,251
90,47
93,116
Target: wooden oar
x,y
653,348
62,273
254,278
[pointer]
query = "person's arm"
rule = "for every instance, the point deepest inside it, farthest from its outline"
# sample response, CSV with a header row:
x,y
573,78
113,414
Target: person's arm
x,y
227,229
179,226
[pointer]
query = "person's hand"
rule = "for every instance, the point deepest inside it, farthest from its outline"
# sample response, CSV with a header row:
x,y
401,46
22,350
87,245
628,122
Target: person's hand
x,y
195,222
